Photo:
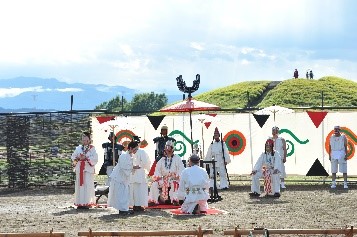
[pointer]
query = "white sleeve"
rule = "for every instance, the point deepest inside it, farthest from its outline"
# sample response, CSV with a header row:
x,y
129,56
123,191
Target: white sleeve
x,y
258,165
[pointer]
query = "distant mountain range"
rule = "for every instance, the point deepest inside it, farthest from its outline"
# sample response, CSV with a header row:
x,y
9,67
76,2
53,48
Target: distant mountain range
x,y
25,94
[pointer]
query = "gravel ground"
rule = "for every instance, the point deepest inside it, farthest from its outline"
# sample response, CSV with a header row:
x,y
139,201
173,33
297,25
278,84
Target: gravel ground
x,y
300,206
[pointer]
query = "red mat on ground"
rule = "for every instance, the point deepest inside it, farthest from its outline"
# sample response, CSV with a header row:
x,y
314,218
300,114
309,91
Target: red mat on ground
x,y
210,211
163,206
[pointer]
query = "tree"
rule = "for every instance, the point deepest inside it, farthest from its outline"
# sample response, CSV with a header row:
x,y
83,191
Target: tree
x,y
115,104
147,102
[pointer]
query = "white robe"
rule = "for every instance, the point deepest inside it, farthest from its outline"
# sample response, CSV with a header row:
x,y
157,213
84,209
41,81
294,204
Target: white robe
x,y
85,192
271,163
279,147
193,189
119,192
215,151
138,181
166,169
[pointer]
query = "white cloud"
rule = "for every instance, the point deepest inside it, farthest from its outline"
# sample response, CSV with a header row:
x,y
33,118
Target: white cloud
x,y
12,92
69,90
196,46
145,45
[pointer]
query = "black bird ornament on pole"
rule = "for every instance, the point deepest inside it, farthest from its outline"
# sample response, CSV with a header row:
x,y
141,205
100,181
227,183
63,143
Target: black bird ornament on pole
x,y
181,84
189,104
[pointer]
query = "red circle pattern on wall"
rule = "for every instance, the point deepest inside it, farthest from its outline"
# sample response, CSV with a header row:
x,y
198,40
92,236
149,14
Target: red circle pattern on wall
x,y
235,142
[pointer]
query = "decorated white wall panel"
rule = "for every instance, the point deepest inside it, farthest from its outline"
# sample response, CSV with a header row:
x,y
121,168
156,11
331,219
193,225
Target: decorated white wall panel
x,y
245,137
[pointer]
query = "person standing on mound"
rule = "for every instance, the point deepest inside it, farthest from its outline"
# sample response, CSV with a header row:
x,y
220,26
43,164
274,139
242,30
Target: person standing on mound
x,y
193,188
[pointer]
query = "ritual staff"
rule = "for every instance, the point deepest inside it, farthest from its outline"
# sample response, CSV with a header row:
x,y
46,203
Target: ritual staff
x,y
84,159
138,181
119,192
268,166
218,152
160,143
166,177
193,188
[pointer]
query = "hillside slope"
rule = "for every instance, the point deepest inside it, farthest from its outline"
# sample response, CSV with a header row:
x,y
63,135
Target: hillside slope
x,y
288,93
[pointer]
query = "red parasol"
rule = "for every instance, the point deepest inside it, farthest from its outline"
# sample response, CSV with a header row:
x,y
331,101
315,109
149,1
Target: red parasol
x,y
190,105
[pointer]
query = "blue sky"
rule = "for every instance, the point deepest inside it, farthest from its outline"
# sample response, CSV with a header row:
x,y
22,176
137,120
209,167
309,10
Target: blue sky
x,y
145,45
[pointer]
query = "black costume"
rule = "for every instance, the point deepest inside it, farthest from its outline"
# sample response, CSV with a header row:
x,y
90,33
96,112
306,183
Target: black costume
x,y
160,148
108,154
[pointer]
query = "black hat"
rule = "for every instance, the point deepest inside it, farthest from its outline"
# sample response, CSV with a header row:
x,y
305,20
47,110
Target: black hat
x,y
111,134
194,158
136,138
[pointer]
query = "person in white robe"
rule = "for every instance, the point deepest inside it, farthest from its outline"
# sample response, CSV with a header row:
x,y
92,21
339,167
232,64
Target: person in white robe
x,y
268,166
166,177
84,159
218,151
138,181
193,188
119,192
280,147
338,156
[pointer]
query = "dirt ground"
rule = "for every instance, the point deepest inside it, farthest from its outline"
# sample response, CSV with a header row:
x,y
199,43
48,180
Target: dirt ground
x,y
300,206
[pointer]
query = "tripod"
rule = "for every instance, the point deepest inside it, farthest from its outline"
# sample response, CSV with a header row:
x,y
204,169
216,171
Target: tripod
x,y
214,197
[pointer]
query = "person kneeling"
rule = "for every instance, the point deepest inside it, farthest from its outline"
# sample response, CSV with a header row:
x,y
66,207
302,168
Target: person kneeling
x,y
267,166
194,187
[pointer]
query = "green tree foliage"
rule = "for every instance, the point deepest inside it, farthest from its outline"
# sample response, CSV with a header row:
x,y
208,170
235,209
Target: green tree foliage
x,y
140,103
147,102
114,104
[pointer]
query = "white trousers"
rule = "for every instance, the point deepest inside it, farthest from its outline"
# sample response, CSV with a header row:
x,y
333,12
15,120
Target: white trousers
x,y
109,172
223,181
119,196
275,181
155,192
188,207
139,194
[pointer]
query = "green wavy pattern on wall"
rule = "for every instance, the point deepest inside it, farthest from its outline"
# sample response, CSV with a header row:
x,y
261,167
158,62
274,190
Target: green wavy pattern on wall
x,y
290,145
180,146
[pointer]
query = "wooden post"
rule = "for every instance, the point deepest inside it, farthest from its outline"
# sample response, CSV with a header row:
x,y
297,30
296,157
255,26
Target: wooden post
x,y
200,233
349,233
236,234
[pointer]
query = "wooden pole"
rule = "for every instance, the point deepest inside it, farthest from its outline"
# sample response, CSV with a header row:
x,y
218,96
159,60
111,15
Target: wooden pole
x,y
345,231
51,233
145,233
